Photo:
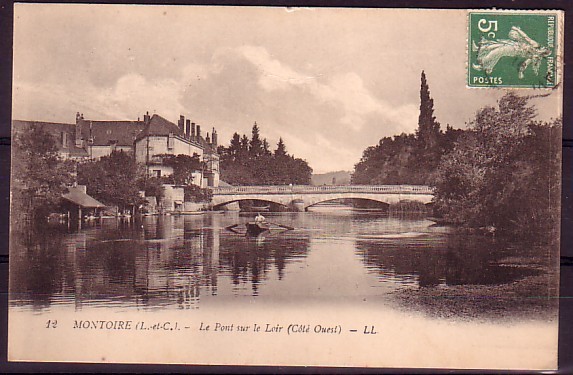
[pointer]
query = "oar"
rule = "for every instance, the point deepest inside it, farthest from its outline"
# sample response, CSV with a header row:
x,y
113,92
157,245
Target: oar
x,y
232,226
282,226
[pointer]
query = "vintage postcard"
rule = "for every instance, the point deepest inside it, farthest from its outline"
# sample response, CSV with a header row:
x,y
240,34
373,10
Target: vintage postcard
x,y
286,186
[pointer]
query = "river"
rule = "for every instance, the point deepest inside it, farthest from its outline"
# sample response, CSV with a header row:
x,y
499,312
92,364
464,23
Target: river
x,y
404,266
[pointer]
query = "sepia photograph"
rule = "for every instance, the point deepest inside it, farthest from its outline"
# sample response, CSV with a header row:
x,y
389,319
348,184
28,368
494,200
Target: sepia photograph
x,y
271,186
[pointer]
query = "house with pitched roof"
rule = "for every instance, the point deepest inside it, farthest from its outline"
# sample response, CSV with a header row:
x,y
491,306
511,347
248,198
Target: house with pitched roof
x,y
145,140
101,138
162,137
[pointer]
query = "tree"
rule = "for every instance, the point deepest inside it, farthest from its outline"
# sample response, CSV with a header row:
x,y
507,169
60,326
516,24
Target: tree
x,y
391,161
428,130
183,167
244,150
406,158
255,145
40,175
153,186
113,179
281,149
266,147
262,167
193,193
235,147
504,172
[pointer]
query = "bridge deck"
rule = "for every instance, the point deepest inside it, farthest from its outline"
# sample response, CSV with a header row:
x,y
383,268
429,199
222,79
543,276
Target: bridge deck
x,y
325,189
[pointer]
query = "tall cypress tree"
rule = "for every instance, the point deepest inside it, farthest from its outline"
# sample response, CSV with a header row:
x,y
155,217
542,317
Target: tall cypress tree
x,y
428,130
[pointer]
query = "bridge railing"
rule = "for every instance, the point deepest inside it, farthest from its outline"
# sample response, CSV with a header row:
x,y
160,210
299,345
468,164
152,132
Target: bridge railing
x,y
325,189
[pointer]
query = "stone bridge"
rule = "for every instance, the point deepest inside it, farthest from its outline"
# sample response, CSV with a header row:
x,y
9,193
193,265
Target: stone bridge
x,y
300,197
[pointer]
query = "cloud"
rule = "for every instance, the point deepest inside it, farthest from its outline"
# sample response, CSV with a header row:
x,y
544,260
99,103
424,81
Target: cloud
x,y
326,119
274,75
128,98
349,91
346,90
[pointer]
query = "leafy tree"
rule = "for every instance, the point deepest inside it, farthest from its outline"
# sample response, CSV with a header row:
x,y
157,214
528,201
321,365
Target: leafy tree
x,y
183,167
113,179
40,175
255,164
194,193
503,172
153,186
389,162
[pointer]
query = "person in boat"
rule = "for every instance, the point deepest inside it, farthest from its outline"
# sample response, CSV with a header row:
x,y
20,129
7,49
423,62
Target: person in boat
x,y
260,219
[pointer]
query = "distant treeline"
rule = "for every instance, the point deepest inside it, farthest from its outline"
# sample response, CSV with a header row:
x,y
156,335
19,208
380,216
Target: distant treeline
x,y
502,172
251,162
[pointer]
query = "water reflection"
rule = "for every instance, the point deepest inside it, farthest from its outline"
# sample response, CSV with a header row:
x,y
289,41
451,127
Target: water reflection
x,y
184,262
164,261
454,260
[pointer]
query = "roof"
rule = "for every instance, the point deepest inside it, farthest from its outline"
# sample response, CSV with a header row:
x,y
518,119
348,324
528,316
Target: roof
x,y
52,127
56,129
160,126
103,133
78,197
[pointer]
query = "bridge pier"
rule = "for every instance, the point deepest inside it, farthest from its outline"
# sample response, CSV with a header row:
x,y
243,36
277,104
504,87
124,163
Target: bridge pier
x,y
297,205
233,206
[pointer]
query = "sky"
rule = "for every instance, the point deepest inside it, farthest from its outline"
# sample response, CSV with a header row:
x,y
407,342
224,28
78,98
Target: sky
x,y
330,82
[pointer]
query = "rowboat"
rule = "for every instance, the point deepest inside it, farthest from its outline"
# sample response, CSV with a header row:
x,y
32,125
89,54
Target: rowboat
x,y
254,229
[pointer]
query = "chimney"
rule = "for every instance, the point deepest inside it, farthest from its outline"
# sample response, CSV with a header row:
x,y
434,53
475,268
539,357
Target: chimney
x,y
214,137
181,123
146,118
188,128
198,131
79,125
207,139
193,130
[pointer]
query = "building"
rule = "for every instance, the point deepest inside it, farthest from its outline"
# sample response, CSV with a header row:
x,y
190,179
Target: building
x,y
101,138
64,135
162,137
145,140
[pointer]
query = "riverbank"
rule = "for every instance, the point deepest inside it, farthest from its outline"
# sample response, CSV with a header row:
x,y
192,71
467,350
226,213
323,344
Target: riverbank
x,y
534,295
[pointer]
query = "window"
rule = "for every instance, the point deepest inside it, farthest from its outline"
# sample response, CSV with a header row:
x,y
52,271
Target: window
x,y
64,140
170,142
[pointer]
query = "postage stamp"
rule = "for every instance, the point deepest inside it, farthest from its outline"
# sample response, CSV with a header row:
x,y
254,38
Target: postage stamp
x,y
512,50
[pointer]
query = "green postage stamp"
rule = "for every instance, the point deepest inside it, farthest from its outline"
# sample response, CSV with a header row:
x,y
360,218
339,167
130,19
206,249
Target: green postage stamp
x,y
507,49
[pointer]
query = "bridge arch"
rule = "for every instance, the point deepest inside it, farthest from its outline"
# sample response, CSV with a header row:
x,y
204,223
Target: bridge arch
x,y
218,205
387,199
319,201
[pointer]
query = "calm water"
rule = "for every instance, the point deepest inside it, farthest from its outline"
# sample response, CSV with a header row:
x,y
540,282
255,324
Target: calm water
x,y
333,256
